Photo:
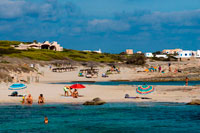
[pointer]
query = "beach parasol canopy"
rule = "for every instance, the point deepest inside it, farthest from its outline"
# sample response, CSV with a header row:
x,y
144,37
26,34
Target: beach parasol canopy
x,y
17,86
77,86
145,89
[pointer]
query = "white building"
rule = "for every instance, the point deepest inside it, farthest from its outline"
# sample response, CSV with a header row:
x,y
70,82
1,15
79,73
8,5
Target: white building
x,y
98,51
148,54
185,54
198,54
139,52
86,50
161,56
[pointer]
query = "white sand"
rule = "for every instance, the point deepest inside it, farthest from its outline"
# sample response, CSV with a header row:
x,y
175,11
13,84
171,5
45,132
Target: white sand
x,y
53,92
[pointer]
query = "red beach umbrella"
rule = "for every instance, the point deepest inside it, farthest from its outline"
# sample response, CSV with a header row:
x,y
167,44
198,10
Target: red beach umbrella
x,y
77,86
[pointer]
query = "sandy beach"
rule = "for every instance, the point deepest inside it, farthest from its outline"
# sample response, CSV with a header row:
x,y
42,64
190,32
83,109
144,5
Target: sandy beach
x,y
53,93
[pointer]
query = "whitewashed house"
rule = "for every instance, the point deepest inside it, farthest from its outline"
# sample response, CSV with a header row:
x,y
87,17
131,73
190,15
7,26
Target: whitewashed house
x,y
198,54
185,54
161,56
148,54
98,51
139,52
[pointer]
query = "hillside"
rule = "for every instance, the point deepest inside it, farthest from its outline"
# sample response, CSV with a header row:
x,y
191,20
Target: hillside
x,y
48,55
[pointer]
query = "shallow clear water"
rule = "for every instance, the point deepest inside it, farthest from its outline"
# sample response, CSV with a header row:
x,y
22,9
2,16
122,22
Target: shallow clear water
x,y
112,117
181,83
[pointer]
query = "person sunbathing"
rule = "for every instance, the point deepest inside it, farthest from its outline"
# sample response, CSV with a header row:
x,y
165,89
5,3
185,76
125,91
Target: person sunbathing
x,y
41,99
29,99
75,94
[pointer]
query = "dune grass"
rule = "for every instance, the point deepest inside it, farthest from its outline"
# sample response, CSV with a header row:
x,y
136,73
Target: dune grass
x,y
47,55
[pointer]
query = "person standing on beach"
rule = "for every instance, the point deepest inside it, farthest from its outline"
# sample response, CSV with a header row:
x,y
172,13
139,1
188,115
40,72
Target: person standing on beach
x,y
67,90
186,81
159,69
169,67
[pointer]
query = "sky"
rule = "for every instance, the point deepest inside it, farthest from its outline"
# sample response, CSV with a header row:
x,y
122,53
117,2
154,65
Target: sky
x,y
110,25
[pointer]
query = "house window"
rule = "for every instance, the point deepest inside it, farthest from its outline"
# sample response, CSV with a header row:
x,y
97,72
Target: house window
x,y
185,54
190,54
181,54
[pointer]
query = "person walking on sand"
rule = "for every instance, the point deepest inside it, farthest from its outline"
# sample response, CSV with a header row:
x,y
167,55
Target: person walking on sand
x,y
186,81
170,69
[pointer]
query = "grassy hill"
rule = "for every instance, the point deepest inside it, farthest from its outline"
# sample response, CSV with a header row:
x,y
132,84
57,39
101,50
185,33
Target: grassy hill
x,y
47,55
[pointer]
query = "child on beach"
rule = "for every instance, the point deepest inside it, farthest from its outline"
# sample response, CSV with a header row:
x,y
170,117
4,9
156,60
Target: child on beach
x,y
23,100
41,99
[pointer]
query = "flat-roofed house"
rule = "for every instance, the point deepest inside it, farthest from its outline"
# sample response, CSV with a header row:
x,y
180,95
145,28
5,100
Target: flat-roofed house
x,y
186,54
171,51
198,54
161,56
129,51
46,45
148,54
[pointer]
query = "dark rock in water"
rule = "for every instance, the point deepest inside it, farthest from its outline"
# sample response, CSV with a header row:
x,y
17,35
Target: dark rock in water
x,y
194,102
95,101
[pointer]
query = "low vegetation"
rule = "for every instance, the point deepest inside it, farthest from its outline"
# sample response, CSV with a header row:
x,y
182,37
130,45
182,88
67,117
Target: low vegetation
x,y
48,55
136,59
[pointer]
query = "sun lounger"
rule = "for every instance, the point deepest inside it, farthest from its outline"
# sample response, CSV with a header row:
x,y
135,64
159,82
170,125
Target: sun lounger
x,y
145,98
15,94
88,76
127,96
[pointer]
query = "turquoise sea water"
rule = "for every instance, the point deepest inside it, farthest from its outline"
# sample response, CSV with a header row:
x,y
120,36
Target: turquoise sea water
x,y
112,117
178,83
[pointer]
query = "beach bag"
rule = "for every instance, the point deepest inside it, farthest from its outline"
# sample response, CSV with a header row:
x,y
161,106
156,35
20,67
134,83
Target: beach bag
x,y
15,93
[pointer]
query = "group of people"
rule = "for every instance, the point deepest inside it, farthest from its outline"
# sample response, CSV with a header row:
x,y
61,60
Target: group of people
x,y
159,69
29,99
114,68
68,92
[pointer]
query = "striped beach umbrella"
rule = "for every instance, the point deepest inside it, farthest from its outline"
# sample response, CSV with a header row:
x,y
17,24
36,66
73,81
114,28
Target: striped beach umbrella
x,y
145,89
17,86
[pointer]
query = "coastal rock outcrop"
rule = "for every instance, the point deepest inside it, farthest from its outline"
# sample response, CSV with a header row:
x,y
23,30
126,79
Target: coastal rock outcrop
x,y
194,102
95,101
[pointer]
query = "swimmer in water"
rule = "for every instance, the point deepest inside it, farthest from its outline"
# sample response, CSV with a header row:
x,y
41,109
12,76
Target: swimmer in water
x,y
46,120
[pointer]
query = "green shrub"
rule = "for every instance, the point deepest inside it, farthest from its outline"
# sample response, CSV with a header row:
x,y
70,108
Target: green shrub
x,y
136,59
